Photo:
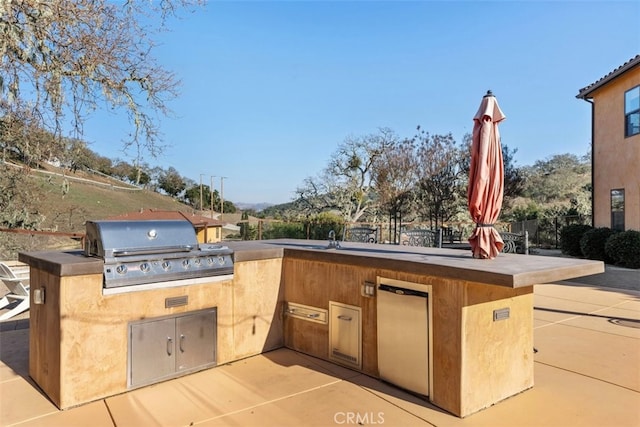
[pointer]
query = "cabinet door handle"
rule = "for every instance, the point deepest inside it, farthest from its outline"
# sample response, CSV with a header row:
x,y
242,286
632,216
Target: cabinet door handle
x,y
314,315
343,317
169,346
181,343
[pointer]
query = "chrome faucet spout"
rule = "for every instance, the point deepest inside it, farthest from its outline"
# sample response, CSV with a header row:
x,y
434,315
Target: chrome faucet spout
x,y
333,243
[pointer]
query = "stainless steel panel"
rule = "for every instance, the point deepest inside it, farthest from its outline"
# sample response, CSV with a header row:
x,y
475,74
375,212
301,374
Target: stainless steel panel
x,y
109,239
305,312
345,337
403,337
152,351
196,340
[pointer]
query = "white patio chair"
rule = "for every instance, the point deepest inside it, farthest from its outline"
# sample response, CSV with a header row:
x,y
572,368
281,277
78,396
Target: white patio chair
x,y
18,286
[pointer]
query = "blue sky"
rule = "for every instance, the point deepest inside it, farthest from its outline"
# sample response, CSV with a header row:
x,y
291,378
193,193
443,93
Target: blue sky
x,y
271,88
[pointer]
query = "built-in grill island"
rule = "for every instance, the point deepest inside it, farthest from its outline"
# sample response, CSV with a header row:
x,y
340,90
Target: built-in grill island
x,y
94,333
142,252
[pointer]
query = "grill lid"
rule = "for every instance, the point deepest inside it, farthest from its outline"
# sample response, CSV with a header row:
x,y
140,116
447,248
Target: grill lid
x,y
150,251
111,238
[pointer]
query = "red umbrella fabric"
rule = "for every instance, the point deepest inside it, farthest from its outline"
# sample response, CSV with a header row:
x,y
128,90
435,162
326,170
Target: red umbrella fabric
x,y
486,179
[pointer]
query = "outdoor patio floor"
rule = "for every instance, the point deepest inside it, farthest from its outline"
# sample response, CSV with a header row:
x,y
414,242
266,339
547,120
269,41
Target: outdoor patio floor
x,y
587,373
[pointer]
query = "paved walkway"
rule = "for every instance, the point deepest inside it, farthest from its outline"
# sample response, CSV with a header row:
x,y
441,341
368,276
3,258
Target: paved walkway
x,y
587,373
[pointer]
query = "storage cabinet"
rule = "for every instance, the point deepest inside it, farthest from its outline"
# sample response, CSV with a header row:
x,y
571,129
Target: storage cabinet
x,y
345,334
167,347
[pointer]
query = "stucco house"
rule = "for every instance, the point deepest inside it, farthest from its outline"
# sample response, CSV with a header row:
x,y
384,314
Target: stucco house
x,y
615,136
208,230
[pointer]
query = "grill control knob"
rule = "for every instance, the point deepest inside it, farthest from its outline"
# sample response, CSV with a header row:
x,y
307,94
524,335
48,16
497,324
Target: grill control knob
x,y
210,261
197,262
166,265
121,269
185,263
221,260
145,267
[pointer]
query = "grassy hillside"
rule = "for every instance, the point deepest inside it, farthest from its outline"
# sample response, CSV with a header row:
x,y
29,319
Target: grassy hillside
x,y
66,200
68,210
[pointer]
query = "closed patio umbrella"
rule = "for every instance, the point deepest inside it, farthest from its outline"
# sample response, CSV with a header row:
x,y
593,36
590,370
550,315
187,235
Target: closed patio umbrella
x,y
486,179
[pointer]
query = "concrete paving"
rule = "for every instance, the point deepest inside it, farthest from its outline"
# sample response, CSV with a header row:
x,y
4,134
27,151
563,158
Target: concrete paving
x,y
587,373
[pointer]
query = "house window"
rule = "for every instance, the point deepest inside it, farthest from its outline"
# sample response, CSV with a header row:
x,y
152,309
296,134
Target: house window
x,y
632,112
617,209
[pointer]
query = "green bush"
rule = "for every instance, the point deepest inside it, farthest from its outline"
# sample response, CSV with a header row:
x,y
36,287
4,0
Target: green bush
x,y
284,230
624,248
592,244
570,238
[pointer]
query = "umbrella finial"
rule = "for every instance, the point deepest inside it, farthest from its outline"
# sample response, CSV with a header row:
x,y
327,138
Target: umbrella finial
x,y
489,93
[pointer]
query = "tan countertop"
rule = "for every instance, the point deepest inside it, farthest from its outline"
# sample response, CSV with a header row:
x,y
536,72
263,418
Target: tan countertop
x,y
511,270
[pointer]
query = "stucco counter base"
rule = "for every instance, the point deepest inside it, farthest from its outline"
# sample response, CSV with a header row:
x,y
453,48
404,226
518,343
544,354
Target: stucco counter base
x,y
78,336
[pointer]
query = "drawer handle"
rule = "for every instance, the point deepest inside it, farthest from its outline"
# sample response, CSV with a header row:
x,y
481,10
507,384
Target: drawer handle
x,y
314,315
343,317
169,345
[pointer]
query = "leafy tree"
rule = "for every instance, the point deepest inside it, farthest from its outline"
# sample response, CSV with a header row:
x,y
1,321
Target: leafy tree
x,y
244,226
104,165
193,193
229,207
559,178
19,202
68,58
123,170
346,184
171,182
439,177
21,140
78,156
394,174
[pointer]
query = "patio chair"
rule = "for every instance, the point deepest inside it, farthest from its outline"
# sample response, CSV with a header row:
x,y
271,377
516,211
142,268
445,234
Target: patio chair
x,y
18,285
362,234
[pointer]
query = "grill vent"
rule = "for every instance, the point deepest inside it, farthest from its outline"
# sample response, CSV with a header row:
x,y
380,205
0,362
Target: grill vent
x,y
176,301
344,356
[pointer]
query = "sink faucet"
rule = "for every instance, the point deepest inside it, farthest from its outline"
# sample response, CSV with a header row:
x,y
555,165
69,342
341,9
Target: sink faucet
x,y
333,243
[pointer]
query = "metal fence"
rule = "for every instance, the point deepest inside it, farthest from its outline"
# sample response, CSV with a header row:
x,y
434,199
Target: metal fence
x,y
545,232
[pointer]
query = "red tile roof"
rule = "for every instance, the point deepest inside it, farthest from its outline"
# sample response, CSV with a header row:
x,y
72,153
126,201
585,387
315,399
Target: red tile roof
x,y
585,92
166,215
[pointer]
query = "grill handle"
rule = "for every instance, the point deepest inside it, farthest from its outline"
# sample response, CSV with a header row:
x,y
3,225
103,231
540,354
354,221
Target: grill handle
x,y
152,251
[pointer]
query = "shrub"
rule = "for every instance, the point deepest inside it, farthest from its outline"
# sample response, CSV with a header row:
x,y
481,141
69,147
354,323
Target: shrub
x,y
284,230
592,244
624,248
570,238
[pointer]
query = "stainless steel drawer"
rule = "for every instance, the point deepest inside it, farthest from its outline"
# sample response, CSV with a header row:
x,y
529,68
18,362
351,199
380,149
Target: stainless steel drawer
x,y
300,311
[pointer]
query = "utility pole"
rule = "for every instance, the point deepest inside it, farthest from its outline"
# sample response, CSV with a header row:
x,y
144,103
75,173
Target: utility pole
x,y
222,196
211,194
201,175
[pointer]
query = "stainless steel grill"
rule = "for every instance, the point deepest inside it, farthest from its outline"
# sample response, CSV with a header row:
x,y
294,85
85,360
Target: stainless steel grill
x,y
138,252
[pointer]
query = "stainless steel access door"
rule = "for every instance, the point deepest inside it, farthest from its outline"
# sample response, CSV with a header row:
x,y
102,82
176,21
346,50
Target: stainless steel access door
x,y
403,337
171,346
195,340
152,351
